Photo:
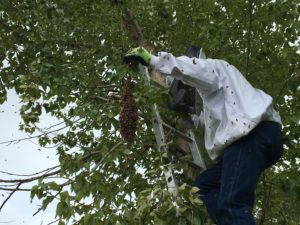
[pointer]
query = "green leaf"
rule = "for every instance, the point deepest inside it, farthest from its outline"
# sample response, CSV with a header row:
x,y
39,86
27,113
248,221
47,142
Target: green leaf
x,y
53,185
182,187
61,222
46,202
23,86
34,191
60,209
194,190
181,210
196,201
127,151
63,195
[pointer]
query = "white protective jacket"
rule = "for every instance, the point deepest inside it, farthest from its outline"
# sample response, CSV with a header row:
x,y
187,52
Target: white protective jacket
x,y
231,106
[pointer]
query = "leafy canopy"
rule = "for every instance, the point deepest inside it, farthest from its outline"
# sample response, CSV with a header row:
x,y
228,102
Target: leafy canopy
x,y
65,60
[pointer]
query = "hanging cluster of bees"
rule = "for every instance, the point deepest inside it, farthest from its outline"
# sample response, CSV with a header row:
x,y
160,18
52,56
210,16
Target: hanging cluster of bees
x,y
129,112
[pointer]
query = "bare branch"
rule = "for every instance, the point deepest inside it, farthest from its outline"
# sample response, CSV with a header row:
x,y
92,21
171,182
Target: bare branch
x,y
100,98
133,27
50,127
250,12
7,185
107,154
19,182
104,86
30,175
284,85
9,196
14,189
31,178
46,174
44,133
31,137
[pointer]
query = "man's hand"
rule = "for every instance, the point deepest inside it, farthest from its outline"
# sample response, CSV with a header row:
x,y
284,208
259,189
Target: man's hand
x,y
138,55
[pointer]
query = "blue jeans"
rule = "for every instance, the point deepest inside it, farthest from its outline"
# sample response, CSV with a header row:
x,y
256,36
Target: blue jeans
x,y
227,188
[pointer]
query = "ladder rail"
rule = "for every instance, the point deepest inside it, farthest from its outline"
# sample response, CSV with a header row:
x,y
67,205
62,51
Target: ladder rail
x,y
188,135
161,142
160,138
197,157
177,132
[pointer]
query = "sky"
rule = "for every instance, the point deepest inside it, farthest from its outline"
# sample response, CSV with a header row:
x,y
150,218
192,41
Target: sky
x,y
22,158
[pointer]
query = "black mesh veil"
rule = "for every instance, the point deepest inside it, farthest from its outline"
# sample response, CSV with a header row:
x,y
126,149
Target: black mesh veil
x,y
184,97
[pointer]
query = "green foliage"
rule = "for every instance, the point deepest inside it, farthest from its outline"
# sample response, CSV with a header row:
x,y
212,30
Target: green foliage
x,y
65,60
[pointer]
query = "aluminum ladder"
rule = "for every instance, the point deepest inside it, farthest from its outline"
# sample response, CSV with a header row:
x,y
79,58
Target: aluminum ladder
x,y
188,136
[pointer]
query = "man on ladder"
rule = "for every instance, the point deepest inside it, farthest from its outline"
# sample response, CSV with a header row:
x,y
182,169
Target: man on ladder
x,y
242,131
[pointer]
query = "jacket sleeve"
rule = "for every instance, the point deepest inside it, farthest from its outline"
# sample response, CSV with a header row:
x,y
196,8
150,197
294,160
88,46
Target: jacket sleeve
x,y
198,73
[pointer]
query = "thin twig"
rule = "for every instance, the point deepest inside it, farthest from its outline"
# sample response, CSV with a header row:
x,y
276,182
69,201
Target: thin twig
x,y
100,98
31,137
14,189
50,127
265,200
104,86
107,154
9,196
31,178
30,175
7,185
133,27
250,12
284,85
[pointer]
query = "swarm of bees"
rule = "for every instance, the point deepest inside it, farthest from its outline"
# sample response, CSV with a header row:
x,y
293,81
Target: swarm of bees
x,y
129,112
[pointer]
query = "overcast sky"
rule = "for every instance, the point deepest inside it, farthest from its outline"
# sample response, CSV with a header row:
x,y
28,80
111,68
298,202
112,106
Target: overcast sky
x,y
22,158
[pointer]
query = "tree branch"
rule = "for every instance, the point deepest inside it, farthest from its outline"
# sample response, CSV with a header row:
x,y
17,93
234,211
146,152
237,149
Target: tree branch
x,y
284,85
29,175
31,178
14,189
106,155
19,182
133,27
250,13
40,135
31,137
265,200
9,196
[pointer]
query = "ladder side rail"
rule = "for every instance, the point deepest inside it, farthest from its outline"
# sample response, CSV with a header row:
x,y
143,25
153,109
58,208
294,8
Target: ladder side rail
x,y
160,138
197,157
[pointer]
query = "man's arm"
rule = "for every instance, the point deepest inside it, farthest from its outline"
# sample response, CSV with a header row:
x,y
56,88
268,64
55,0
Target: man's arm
x,y
195,72
199,73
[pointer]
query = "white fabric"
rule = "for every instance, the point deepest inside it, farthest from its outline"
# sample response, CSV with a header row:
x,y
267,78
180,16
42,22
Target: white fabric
x,y
231,106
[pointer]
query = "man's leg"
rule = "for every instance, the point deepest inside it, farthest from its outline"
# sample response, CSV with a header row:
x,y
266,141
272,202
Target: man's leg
x,y
243,163
209,184
241,170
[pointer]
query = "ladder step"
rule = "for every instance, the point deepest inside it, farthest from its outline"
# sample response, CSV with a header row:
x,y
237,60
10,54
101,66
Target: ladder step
x,y
177,132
